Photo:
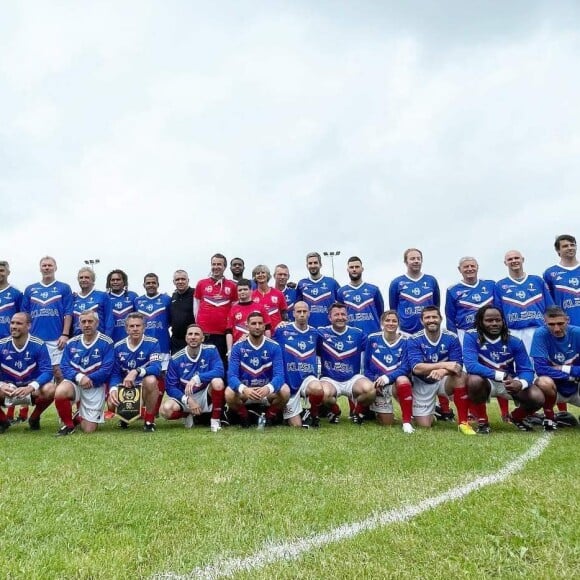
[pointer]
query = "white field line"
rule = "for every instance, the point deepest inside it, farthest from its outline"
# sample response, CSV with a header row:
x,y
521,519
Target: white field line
x,y
271,553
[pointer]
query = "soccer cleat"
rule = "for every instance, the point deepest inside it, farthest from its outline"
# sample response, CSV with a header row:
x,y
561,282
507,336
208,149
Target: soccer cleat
x,y
4,426
109,415
188,421
34,424
64,431
505,418
441,416
483,429
215,425
522,425
333,418
149,427
122,425
565,419
549,425
358,419
311,422
408,428
466,429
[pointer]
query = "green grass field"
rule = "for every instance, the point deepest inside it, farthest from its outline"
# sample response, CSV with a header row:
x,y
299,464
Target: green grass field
x,y
128,504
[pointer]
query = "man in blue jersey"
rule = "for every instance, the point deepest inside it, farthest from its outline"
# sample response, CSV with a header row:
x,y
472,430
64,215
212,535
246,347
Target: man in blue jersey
x,y
465,298
563,279
87,364
281,278
122,301
256,373
499,366
156,309
10,304
195,382
87,298
411,292
522,298
299,342
25,371
137,362
318,291
364,301
50,306
436,361
341,348
556,356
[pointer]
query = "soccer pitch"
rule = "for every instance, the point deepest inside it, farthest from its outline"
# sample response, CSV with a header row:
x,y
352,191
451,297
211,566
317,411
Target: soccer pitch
x,y
182,503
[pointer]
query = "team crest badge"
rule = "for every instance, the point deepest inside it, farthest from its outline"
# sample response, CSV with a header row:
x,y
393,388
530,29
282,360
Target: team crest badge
x,y
130,403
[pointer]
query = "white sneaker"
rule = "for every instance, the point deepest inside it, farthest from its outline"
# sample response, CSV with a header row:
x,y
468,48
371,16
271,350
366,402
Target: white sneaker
x,y
188,421
215,425
408,428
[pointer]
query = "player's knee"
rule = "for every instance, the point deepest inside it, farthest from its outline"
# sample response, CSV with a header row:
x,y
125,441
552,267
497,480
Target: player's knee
x,y
231,396
315,389
284,394
217,384
168,409
476,389
546,384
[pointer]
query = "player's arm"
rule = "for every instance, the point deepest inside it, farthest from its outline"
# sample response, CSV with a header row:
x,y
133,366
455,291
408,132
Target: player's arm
x,y
109,323
103,373
234,370
173,386
44,366
523,364
394,295
436,293
216,367
277,368
548,300
68,372
379,302
543,364
403,369
450,311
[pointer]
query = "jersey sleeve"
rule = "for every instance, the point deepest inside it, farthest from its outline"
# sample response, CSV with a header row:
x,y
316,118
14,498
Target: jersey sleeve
x,y
540,354
216,367
379,303
277,368
450,311
68,372
117,373
470,358
436,293
44,366
153,365
172,382
109,323
394,295
524,368
404,368
414,354
234,369
103,373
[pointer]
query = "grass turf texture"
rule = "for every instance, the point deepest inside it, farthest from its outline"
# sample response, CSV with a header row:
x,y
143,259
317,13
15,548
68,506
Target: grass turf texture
x,y
129,504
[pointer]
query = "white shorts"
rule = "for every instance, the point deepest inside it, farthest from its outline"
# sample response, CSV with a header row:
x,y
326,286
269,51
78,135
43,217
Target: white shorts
x,y
54,352
525,335
384,403
344,388
498,390
200,397
90,403
165,358
293,406
572,399
425,396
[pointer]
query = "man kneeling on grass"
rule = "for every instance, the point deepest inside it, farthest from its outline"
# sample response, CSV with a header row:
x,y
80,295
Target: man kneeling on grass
x,y
86,365
194,382
256,373
137,362
499,366
25,371
437,364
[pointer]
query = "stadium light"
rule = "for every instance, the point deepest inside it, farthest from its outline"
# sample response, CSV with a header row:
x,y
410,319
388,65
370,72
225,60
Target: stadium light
x,y
332,255
92,262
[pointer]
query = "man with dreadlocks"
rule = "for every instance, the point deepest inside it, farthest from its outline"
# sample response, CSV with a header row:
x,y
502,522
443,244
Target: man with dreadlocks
x,y
498,365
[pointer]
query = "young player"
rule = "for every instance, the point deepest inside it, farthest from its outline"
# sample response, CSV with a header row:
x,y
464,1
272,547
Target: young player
x,y
387,365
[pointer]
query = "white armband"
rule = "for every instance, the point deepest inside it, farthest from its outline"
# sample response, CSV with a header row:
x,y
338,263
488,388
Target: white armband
x,y
78,377
567,369
270,388
386,379
525,384
35,385
241,389
499,375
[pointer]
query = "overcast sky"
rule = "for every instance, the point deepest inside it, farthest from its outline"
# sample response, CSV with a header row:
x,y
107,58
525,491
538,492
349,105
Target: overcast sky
x,y
151,135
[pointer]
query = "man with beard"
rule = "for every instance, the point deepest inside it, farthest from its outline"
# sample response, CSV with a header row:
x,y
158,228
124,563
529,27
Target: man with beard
x,y
122,301
364,301
237,267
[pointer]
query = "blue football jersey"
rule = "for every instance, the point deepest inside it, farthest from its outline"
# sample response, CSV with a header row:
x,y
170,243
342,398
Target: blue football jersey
x,y
299,353
94,360
94,301
383,358
420,349
157,312
341,352
364,304
10,304
145,357
319,295
121,306
22,366
408,297
564,286
464,300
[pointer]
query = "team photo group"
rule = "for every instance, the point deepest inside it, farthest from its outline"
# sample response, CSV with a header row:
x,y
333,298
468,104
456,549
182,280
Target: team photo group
x,y
258,349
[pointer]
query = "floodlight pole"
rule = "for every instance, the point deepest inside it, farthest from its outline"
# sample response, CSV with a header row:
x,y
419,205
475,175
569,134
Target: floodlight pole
x,y
92,262
332,255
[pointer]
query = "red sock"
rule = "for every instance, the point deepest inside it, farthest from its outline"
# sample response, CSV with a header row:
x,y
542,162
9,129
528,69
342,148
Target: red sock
x,y
563,407
315,402
519,414
64,409
480,411
351,406
461,403
77,419
444,404
174,416
217,403
23,412
41,405
242,411
9,413
504,406
359,408
272,412
335,409
149,417
161,386
3,416
550,401
405,396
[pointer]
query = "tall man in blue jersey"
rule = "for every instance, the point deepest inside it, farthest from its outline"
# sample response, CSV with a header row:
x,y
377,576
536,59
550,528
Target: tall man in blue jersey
x,y
556,356
137,362
87,298
435,358
522,298
256,373
156,309
122,301
299,342
195,382
25,371
364,301
411,292
499,366
50,306
563,279
318,291
10,304
87,364
341,348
